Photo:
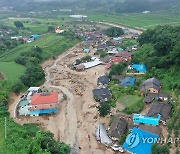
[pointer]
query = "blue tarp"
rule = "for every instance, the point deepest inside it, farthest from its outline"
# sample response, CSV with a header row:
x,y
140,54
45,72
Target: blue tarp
x,y
86,50
117,38
128,81
141,68
46,111
35,36
140,141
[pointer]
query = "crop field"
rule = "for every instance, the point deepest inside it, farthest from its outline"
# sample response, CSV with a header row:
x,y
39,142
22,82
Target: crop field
x,y
50,44
11,71
138,19
41,26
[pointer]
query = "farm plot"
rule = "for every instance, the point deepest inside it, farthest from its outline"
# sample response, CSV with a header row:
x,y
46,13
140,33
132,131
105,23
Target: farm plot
x,y
11,71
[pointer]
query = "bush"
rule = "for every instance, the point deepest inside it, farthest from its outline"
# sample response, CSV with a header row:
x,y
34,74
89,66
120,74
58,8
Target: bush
x,y
104,109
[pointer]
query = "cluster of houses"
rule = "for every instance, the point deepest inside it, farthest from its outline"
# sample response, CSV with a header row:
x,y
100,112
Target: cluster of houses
x,y
98,40
36,103
6,32
25,38
139,125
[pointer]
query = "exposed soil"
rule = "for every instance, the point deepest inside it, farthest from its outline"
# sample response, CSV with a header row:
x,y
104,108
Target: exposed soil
x,y
2,77
78,116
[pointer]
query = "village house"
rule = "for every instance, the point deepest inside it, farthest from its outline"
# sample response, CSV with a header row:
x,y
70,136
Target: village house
x,y
161,108
150,97
44,103
117,60
117,128
128,81
102,47
113,51
102,94
103,81
152,129
127,56
58,30
151,85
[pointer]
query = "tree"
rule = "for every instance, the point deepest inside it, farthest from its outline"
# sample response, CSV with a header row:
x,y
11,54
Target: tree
x,y
51,29
17,88
18,24
158,149
104,108
114,31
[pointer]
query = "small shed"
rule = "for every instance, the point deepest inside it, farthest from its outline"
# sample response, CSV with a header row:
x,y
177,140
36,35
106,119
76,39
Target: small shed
x,y
150,97
161,108
163,96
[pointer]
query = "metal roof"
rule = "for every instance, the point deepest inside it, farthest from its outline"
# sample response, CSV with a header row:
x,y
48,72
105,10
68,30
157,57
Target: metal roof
x,y
101,135
93,63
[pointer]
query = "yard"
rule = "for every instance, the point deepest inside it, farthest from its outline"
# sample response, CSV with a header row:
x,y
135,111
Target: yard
x,y
129,100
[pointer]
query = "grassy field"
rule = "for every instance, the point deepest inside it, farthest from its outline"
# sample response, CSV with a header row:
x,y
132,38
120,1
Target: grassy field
x,y
138,19
41,26
50,44
128,100
12,71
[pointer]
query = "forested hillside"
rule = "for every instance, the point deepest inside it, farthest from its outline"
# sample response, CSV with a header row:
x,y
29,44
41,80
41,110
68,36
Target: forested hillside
x,y
111,6
160,52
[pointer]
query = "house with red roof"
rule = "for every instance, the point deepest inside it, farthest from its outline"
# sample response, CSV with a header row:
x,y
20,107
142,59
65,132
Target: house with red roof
x,y
127,56
44,103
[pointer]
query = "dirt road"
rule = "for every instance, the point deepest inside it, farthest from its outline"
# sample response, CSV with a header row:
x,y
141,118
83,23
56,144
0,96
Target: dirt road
x,y
133,30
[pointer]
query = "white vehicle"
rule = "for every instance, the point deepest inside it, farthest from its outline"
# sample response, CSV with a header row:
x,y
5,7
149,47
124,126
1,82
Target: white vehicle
x,y
116,147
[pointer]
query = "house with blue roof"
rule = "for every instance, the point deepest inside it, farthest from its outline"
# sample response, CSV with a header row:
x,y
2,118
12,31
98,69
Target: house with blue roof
x,y
140,68
128,81
140,141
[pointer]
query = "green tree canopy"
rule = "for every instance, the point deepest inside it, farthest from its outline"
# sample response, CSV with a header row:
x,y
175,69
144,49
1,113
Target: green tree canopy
x,y
18,24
